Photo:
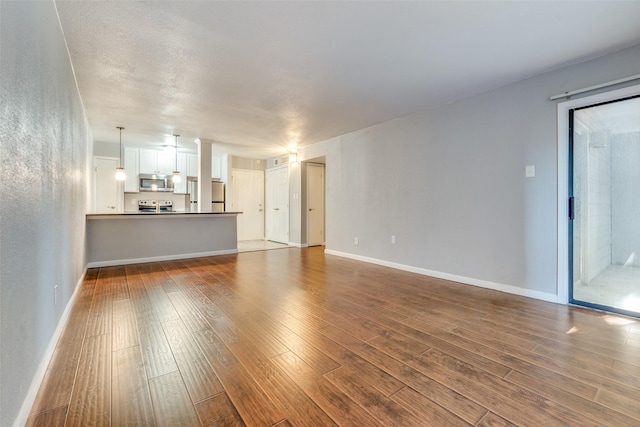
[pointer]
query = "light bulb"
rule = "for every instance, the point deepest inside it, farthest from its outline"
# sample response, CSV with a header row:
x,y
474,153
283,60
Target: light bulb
x,y
120,175
176,177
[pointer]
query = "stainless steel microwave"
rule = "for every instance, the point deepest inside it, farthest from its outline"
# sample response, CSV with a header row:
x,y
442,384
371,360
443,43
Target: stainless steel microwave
x,y
153,182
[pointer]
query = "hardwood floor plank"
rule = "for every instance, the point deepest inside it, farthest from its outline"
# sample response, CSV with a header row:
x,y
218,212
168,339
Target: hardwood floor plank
x,y
165,311
514,403
492,420
171,403
188,312
384,409
455,402
125,327
587,407
295,343
331,399
158,358
100,318
130,395
53,418
429,411
281,389
198,376
218,411
252,403
91,399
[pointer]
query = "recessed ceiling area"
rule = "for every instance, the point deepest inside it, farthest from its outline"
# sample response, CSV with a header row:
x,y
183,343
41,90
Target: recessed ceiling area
x,y
255,77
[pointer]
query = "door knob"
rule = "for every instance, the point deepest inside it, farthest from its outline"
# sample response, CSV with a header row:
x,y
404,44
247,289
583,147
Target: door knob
x,y
311,209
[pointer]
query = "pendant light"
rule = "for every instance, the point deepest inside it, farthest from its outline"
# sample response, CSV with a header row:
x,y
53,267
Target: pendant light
x,y
176,173
120,175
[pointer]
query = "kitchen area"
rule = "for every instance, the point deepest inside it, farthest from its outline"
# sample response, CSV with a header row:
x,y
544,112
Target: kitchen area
x,y
150,177
153,205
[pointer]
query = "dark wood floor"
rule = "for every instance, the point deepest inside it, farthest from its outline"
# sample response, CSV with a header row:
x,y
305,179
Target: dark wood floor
x,y
295,338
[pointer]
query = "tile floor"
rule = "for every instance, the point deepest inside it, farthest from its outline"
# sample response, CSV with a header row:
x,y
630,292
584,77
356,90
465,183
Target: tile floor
x,y
259,245
617,286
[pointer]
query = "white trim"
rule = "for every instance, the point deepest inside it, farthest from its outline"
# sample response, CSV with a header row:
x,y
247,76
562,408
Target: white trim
x,y
36,382
461,279
595,87
159,258
562,267
298,245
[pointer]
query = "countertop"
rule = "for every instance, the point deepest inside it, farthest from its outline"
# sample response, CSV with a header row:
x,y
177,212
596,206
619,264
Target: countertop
x,y
160,214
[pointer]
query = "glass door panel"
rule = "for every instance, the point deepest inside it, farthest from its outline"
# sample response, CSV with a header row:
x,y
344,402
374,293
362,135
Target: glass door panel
x,y
605,186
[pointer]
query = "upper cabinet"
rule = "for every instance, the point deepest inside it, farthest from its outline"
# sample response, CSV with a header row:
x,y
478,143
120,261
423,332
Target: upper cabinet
x,y
156,161
148,161
192,165
131,169
166,162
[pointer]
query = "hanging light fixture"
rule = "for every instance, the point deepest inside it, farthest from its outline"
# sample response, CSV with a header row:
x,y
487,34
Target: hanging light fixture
x,y
120,175
176,173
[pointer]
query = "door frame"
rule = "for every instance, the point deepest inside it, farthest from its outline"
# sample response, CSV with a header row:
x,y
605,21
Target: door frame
x,y
563,257
94,187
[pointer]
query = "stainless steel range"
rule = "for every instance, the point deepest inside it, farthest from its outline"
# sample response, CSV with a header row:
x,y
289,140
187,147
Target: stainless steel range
x,y
155,206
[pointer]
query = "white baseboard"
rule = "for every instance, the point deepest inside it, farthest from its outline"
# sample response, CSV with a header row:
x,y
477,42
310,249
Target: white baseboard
x,y
30,398
159,258
298,245
466,280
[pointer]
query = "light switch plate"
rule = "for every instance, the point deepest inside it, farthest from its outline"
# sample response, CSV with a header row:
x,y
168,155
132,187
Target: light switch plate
x,y
530,171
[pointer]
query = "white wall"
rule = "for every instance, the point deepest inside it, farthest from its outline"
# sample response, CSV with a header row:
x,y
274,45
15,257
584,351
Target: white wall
x,y
450,184
44,138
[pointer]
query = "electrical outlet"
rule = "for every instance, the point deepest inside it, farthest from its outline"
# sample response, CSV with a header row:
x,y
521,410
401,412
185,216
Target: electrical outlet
x,y
355,241
393,240
530,171
134,202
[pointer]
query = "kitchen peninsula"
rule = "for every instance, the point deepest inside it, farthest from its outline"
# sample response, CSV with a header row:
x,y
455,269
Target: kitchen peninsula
x,y
134,237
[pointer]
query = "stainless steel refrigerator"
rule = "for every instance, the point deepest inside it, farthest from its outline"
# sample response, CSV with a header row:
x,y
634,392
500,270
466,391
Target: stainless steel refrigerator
x,y
217,195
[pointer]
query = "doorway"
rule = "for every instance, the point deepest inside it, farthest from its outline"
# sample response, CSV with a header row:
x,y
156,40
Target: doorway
x,y
247,196
107,191
315,204
604,207
277,204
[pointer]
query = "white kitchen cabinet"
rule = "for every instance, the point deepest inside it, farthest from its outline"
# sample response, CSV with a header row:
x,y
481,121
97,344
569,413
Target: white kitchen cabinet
x,y
157,161
181,187
192,165
166,162
131,169
148,161
216,167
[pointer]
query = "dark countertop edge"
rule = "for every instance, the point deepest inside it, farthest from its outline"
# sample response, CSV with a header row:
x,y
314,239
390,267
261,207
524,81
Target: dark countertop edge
x,y
159,214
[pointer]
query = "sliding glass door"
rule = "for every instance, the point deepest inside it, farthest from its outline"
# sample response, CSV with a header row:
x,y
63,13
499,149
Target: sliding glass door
x,y
604,206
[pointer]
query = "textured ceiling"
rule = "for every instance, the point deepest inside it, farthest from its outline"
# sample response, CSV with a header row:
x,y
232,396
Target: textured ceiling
x,y
258,76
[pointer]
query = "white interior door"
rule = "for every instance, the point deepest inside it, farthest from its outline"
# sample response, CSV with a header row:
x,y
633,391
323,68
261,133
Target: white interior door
x,y
315,204
107,191
277,204
247,196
